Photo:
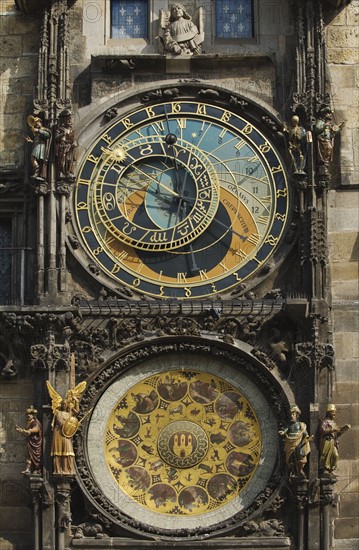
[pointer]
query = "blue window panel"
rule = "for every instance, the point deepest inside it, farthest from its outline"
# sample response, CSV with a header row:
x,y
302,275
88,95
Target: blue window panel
x,y
129,19
234,19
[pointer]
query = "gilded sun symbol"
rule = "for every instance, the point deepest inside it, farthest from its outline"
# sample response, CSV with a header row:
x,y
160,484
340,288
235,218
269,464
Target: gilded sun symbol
x,y
118,154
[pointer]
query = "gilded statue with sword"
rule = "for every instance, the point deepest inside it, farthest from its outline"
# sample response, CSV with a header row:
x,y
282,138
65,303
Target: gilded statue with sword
x,y
64,425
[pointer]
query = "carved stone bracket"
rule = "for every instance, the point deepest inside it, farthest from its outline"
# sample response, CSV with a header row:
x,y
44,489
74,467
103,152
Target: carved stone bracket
x,y
327,494
63,510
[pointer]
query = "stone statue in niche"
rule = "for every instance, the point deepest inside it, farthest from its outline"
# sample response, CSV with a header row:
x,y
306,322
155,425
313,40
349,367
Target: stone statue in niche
x,y
181,34
64,427
40,149
296,443
297,146
327,441
65,145
33,432
326,130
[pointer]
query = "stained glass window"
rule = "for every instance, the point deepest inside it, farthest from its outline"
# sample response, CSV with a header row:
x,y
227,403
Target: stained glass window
x,y
234,19
129,19
5,261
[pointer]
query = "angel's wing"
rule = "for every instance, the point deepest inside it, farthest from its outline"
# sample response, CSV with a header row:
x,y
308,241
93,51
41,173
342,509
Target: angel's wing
x,y
78,390
55,397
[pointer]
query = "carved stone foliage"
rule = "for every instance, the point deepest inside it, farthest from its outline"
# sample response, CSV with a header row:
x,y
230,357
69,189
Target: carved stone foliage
x,y
89,343
40,339
180,344
53,356
315,355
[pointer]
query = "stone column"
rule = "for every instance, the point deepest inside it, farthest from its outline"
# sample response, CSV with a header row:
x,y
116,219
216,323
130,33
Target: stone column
x,y
326,501
36,483
300,491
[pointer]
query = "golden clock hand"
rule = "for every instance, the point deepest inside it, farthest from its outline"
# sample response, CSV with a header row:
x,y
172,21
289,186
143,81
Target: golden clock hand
x,y
191,201
230,229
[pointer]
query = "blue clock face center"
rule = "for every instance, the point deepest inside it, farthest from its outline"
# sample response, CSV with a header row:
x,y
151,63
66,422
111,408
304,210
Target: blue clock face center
x,y
165,208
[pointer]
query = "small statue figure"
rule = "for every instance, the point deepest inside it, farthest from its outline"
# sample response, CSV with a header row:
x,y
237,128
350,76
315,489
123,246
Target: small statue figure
x,y
297,146
65,147
327,439
326,131
64,425
8,371
40,147
296,443
179,33
33,432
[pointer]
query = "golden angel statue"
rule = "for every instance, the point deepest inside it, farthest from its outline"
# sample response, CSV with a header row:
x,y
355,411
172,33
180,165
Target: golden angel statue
x,y
179,32
64,426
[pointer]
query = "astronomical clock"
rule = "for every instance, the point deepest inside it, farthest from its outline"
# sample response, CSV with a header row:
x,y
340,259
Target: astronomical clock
x,y
170,298
180,199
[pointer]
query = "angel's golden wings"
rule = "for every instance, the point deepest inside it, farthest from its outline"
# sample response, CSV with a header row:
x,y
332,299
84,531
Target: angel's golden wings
x,y
77,391
56,398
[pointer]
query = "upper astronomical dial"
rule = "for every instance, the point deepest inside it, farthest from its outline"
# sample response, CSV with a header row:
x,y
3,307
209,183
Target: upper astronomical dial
x,y
181,199
158,197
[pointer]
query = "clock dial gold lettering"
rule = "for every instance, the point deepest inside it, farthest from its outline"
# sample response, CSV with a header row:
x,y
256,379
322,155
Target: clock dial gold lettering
x,y
201,109
181,278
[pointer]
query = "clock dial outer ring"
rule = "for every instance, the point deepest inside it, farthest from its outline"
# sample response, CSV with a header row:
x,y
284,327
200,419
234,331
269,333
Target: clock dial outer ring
x,y
119,270
173,361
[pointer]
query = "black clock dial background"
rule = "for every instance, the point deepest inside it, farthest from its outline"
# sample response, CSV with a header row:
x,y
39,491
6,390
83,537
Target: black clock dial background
x,y
205,254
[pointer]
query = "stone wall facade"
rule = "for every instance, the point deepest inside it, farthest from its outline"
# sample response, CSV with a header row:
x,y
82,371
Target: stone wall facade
x,y
260,70
343,223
